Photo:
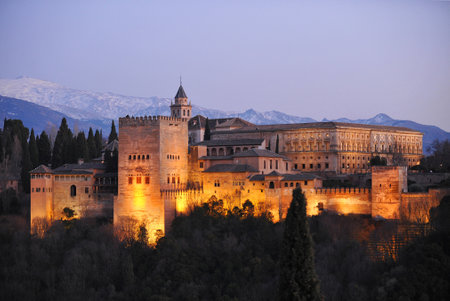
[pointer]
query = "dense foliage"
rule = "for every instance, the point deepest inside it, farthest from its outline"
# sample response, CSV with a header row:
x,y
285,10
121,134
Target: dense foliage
x,y
212,254
298,279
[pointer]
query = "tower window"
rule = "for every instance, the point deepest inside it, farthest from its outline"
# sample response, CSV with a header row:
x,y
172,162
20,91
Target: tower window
x,y
73,190
148,157
86,190
129,157
134,157
130,180
147,180
138,180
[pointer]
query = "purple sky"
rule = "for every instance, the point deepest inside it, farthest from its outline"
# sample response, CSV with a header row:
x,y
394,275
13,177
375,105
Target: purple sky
x,y
319,59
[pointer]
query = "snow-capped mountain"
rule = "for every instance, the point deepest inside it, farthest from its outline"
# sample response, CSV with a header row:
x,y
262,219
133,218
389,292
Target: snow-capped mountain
x,y
50,102
79,104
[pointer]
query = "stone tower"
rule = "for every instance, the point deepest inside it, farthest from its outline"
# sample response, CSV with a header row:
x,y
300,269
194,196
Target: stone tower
x,y
153,159
181,108
388,183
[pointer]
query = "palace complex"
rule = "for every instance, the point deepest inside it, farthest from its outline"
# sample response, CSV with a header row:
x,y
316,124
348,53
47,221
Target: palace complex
x,y
165,167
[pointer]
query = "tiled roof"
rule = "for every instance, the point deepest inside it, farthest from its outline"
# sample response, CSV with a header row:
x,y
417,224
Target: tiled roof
x,y
199,122
315,125
112,146
231,142
231,168
181,93
82,166
286,177
299,177
42,169
256,152
72,172
216,158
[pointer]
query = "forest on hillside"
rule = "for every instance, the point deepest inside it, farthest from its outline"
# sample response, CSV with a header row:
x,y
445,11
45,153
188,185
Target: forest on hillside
x,y
212,254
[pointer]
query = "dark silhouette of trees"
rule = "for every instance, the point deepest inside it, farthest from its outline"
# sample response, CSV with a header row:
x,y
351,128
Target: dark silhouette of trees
x,y
439,160
113,133
44,149
378,161
82,147
207,135
92,146
298,279
34,152
63,146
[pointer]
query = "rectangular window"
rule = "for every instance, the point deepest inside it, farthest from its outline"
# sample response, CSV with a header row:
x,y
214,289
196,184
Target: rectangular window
x,y
287,166
276,164
326,165
43,189
270,163
201,164
311,166
318,166
343,165
306,183
147,180
303,166
264,164
86,190
138,180
32,189
130,180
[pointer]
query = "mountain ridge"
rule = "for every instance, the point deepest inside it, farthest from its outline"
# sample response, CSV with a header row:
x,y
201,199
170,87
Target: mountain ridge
x,y
86,108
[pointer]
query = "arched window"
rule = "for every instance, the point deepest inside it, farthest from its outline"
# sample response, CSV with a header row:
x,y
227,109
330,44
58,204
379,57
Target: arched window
x,y
73,190
271,185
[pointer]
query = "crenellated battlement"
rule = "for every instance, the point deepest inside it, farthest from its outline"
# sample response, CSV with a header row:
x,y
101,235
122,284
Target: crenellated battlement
x,y
341,190
147,120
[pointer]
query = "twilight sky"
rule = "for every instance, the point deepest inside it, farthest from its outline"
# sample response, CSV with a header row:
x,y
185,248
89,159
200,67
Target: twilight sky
x,y
319,59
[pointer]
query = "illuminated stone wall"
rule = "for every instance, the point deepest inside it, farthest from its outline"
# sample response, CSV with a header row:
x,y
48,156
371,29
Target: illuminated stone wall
x,y
388,182
41,198
51,193
152,158
344,149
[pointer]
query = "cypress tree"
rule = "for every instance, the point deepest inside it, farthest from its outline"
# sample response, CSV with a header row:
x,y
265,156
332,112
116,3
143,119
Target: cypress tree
x,y
82,146
98,143
34,152
62,148
113,133
44,149
1,145
91,144
298,279
207,135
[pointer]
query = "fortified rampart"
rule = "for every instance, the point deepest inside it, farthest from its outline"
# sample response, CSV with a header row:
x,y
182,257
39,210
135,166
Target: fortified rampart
x,y
152,155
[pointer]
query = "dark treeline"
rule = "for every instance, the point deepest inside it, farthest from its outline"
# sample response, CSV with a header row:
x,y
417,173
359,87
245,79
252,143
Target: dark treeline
x,y
212,254
22,150
439,160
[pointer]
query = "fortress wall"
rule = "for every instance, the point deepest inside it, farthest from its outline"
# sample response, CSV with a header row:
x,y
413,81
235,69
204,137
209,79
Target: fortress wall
x,y
139,202
341,200
388,182
41,206
84,202
173,147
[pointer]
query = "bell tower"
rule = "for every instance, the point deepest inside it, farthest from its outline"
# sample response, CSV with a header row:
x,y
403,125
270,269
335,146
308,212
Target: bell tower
x,y
181,108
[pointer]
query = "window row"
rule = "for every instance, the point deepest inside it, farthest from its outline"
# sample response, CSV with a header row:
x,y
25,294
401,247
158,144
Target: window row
x,y
138,180
173,157
173,180
73,190
40,176
311,166
38,189
138,157
363,166
72,178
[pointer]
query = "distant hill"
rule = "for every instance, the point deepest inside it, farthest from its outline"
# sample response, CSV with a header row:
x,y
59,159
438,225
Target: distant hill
x,y
41,118
87,108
